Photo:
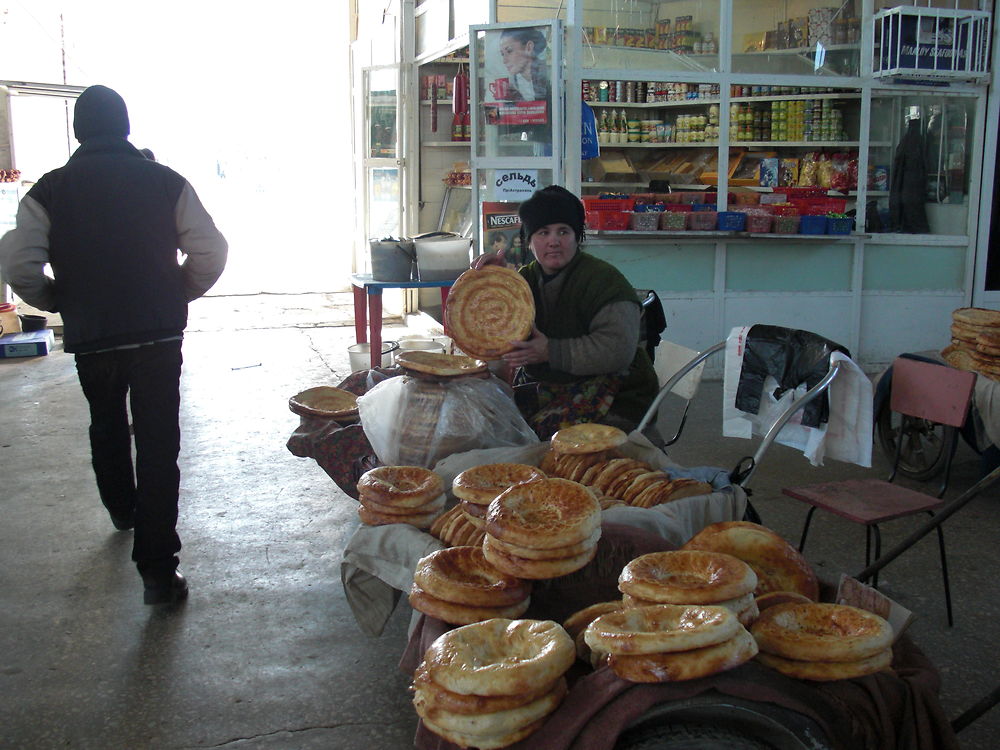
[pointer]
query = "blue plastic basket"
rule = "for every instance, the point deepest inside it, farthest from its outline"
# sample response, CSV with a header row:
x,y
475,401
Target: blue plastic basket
x,y
812,224
703,206
732,221
839,225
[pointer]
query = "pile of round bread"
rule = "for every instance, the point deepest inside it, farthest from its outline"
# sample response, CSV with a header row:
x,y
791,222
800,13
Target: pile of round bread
x,y
400,494
544,528
490,684
690,577
669,642
454,529
975,341
465,524
458,586
779,567
822,642
588,453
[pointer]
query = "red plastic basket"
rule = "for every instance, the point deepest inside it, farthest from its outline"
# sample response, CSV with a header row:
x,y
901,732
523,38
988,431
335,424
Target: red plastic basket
x,y
608,204
759,222
702,221
614,220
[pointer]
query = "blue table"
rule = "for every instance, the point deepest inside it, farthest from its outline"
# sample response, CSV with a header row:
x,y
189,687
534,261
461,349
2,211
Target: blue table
x,y
370,314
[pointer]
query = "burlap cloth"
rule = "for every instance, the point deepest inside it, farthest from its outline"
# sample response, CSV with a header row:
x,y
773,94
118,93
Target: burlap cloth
x,y
897,708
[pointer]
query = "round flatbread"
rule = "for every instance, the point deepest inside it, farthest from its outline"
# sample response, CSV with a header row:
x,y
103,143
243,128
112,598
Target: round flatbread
x,y
778,565
976,316
827,671
544,514
462,614
324,401
481,484
685,665
487,309
442,365
687,577
821,632
588,437
500,657
462,575
665,628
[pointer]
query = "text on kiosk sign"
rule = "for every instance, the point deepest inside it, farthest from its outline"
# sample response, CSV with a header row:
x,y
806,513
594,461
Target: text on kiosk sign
x,y
516,184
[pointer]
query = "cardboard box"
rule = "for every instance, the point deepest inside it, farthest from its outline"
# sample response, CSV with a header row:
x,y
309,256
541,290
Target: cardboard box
x,y
30,344
612,165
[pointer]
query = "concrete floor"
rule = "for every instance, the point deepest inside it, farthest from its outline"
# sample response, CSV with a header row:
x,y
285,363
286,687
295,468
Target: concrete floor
x,y
265,653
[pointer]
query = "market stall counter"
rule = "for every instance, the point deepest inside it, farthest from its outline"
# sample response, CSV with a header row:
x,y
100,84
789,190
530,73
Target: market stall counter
x,y
896,708
378,561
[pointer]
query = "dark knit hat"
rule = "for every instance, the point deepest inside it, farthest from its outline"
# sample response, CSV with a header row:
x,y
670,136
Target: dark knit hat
x,y
552,205
100,111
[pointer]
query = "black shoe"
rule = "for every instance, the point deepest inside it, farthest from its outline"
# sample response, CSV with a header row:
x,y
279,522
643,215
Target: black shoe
x,y
123,523
169,591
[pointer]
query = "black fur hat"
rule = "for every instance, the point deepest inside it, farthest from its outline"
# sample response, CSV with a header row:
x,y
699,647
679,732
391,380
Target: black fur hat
x,y
100,111
552,205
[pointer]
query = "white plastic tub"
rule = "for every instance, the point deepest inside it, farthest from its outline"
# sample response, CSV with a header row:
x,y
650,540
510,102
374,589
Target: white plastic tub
x,y
442,258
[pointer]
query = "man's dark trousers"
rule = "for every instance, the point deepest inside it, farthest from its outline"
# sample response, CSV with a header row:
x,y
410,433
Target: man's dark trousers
x,y
149,376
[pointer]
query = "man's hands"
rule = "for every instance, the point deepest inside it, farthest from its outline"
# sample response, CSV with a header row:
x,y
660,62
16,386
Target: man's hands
x,y
531,352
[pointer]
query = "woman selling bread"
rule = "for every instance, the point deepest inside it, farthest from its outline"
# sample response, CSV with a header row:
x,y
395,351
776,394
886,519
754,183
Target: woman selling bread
x,y
582,362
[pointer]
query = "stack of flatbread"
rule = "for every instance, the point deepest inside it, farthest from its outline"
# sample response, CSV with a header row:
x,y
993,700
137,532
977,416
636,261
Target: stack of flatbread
x,y
670,642
400,494
542,529
479,486
458,586
690,577
975,341
823,642
489,684
588,453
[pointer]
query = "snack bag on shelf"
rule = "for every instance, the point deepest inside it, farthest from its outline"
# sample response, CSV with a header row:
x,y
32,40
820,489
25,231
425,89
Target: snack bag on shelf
x,y
824,172
807,170
788,172
838,172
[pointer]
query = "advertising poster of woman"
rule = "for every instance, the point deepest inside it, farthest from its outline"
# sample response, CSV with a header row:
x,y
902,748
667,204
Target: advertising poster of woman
x,y
516,76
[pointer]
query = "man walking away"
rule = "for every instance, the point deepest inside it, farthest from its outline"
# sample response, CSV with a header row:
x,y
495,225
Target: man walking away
x,y
109,224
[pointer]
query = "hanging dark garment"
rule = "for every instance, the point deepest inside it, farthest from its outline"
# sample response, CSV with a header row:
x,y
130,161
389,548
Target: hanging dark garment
x,y
908,184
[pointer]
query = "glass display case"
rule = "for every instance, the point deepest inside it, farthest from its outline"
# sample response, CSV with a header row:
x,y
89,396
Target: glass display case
x,y
677,36
919,166
796,37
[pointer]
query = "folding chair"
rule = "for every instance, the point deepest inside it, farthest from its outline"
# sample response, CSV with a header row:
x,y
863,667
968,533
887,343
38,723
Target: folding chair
x,y
919,389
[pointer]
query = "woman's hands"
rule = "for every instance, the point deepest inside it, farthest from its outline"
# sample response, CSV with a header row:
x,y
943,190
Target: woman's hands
x,y
489,259
531,352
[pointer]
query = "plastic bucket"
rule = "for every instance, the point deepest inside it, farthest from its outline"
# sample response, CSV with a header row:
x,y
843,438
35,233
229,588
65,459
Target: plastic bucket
x,y
9,322
392,260
33,322
360,355
442,258
420,345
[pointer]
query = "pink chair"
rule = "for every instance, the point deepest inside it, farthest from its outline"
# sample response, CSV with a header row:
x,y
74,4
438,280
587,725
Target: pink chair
x,y
923,390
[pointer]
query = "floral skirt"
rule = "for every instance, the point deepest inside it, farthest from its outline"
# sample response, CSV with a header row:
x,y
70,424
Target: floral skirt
x,y
548,407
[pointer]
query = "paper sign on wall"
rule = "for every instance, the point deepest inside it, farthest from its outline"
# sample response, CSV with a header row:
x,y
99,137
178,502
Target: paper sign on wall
x,y
515,184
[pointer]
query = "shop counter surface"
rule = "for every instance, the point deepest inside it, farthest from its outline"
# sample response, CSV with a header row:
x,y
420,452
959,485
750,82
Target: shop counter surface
x,y
368,307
